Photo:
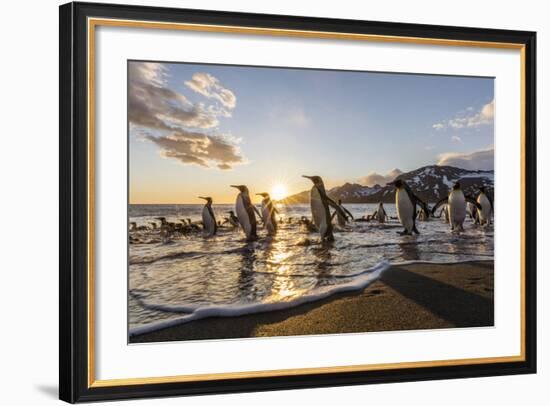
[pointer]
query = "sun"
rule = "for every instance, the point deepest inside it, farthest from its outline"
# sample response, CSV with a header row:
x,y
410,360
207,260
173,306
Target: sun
x,y
279,191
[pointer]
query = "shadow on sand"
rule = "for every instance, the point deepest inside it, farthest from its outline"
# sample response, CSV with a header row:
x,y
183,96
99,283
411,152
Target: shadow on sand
x,y
459,307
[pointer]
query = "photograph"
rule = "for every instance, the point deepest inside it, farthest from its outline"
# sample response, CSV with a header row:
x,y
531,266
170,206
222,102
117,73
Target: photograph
x,y
281,201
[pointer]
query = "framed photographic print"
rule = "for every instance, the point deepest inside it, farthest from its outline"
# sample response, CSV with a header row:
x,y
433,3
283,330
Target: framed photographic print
x,y
255,202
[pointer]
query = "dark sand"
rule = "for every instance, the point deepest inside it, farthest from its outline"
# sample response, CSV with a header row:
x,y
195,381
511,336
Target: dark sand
x,y
407,297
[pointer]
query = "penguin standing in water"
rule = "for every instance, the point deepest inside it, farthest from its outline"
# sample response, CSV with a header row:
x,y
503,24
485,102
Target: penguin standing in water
x,y
445,211
208,219
456,206
380,213
471,211
268,213
484,214
320,208
405,203
341,219
233,220
245,212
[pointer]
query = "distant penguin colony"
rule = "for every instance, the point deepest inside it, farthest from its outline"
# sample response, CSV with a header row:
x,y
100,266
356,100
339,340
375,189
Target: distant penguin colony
x,y
455,207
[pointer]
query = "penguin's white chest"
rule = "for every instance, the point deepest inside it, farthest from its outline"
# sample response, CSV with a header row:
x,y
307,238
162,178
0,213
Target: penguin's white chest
x,y
405,209
208,221
457,207
485,212
242,215
380,215
318,210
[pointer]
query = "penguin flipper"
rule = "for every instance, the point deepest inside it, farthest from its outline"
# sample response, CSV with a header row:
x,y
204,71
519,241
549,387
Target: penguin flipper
x,y
336,207
415,199
347,211
258,213
443,201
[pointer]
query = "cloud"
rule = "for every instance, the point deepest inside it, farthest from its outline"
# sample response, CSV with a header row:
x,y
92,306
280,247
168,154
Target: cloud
x,y
209,86
175,124
456,138
476,160
469,118
194,148
153,105
374,178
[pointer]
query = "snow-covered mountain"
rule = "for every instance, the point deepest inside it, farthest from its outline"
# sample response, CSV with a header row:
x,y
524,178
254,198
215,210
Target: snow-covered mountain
x,y
430,183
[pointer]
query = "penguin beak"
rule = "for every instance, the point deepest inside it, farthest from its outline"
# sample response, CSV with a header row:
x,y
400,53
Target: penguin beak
x,y
308,177
235,186
200,197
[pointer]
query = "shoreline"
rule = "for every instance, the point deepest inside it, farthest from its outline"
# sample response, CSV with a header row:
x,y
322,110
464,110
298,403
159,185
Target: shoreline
x,y
406,297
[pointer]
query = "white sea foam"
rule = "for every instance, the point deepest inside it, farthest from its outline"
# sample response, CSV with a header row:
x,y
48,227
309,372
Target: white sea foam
x,y
197,312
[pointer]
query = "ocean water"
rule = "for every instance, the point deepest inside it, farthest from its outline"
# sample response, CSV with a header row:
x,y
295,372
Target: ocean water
x,y
183,278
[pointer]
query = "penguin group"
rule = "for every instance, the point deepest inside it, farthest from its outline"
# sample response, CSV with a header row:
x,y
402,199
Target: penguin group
x,y
457,204
409,207
454,206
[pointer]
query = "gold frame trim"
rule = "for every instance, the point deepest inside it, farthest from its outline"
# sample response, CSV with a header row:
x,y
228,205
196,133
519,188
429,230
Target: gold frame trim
x,y
94,22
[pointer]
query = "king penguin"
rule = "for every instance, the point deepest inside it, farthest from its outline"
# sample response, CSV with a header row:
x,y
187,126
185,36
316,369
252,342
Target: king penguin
x,y
405,203
245,212
208,218
486,207
456,205
319,208
233,220
268,213
341,219
380,213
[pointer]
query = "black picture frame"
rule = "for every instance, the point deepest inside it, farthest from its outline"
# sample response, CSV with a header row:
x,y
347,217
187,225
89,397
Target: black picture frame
x,y
74,385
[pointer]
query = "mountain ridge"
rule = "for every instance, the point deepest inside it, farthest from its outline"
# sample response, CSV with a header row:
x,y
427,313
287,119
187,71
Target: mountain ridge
x,y
430,183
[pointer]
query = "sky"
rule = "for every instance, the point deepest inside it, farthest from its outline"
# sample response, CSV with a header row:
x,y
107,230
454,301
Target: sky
x,y
195,129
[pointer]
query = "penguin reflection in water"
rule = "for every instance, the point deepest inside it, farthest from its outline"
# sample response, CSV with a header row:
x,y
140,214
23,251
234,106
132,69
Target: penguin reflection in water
x,y
320,208
208,218
268,213
246,212
456,205
405,203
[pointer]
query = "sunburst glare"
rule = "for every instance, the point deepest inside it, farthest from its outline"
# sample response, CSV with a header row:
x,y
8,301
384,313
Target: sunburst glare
x,y
279,191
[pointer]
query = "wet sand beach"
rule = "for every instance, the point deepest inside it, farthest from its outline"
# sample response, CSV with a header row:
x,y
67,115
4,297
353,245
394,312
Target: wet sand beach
x,y
406,297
